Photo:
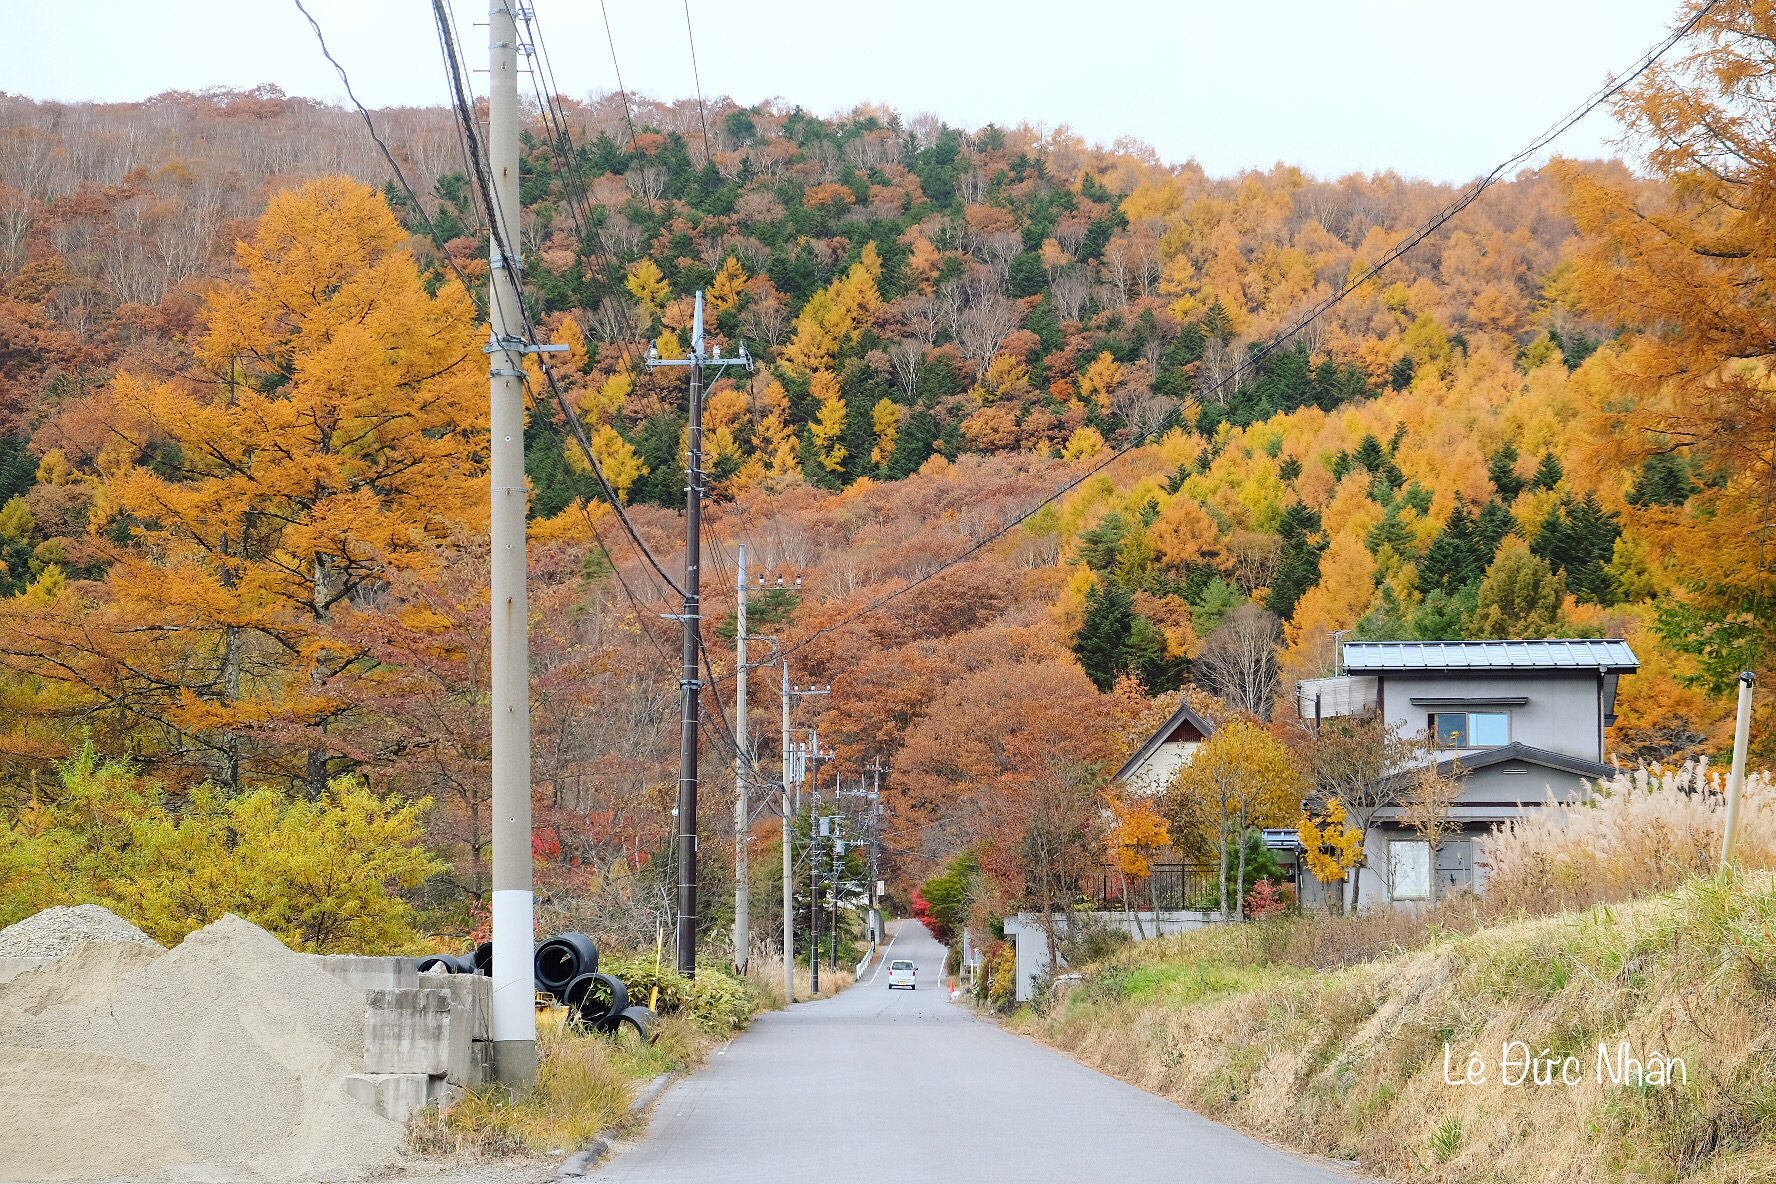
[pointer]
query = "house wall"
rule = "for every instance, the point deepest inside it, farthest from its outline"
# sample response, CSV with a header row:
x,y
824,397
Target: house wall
x,y
1490,796
1563,713
1167,759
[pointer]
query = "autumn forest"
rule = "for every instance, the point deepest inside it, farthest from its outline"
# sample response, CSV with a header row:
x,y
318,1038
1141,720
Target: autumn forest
x,y
243,489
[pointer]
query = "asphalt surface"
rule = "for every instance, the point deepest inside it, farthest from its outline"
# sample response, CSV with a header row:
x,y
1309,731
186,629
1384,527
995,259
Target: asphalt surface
x,y
904,1086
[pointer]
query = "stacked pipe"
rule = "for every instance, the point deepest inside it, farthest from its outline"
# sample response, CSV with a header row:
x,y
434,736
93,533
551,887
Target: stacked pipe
x,y
566,969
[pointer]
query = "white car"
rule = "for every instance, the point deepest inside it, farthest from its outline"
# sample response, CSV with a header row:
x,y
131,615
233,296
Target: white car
x,y
902,973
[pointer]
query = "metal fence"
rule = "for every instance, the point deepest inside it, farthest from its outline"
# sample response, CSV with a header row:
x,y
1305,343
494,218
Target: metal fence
x,y
1170,886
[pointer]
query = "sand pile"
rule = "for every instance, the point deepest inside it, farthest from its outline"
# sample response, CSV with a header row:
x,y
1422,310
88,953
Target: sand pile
x,y
55,932
221,1059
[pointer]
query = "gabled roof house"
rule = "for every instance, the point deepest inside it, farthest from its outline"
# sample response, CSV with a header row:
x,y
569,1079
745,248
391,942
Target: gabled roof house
x,y
1520,723
1169,749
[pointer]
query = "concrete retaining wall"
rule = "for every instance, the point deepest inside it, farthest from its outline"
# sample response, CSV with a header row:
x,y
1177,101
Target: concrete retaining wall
x,y
426,1036
1032,940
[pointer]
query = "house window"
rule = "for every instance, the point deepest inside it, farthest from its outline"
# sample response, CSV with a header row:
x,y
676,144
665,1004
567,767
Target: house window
x,y
1471,729
1455,866
1409,869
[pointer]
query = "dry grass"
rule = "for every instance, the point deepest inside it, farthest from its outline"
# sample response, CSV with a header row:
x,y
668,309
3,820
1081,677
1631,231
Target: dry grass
x,y
585,1081
1646,831
764,975
584,1085
1349,1062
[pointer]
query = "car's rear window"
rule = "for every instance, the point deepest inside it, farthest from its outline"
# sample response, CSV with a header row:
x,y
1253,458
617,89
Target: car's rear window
x,y
901,966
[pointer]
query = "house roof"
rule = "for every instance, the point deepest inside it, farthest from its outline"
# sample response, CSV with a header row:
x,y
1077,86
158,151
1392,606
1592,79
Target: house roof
x,y
1493,657
1529,755
1184,715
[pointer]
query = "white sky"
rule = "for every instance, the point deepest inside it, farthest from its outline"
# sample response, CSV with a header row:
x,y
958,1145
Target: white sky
x,y
1431,88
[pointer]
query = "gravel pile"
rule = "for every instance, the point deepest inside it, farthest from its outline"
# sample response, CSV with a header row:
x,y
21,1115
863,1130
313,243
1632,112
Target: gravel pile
x,y
223,1059
55,932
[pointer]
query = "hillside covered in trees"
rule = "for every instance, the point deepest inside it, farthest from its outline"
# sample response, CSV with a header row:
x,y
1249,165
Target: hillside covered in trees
x,y
242,509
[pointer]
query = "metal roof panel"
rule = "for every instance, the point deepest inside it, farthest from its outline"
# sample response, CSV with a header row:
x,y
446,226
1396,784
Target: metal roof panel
x,y
1555,653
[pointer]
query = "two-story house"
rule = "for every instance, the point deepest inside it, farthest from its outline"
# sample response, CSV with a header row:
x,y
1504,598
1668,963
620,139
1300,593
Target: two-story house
x,y
1520,723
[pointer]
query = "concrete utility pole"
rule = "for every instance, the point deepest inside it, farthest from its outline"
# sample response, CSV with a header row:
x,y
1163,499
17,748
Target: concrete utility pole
x,y
685,929
514,932
742,757
790,691
1736,779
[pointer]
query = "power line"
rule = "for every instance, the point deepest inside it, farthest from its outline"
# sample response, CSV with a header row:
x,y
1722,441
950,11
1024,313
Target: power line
x,y
697,78
457,71
618,70
1257,355
431,231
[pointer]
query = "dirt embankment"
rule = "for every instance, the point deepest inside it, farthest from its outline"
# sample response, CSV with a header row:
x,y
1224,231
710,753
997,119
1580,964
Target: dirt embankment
x,y
1351,1063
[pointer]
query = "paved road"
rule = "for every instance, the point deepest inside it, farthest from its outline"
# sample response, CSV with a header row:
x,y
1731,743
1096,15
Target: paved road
x,y
906,1087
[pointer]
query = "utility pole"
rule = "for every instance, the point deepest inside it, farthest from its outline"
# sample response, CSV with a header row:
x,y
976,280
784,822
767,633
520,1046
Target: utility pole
x,y
788,856
685,942
790,691
514,927
1736,780
814,837
742,758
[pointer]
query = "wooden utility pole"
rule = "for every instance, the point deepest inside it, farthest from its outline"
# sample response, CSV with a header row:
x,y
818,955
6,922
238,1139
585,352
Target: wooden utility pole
x,y
689,684
514,933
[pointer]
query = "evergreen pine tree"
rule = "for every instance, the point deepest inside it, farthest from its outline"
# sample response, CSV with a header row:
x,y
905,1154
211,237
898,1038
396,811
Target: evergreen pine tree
x,y
1390,532
1298,567
1144,655
1102,643
813,467
1372,456
1502,468
1664,480
1492,527
1100,547
1520,597
912,448
1454,558
1578,539
1548,473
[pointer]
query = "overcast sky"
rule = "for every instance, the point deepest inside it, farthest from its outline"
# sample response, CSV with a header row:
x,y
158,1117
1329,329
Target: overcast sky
x,y
1427,87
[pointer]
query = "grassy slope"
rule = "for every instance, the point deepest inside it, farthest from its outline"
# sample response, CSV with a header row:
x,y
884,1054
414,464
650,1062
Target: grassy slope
x,y
1349,1062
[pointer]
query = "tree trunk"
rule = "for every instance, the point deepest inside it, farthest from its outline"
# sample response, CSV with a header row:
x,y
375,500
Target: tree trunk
x,y
1223,876
1240,884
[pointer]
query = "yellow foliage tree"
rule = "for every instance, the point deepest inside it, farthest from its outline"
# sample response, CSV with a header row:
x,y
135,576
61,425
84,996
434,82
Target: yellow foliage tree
x,y
320,874
729,285
345,437
1136,831
1240,777
1184,533
1100,379
777,445
886,418
622,465
1330,847
833,316
831,421
1085,442
647,283
1004,377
